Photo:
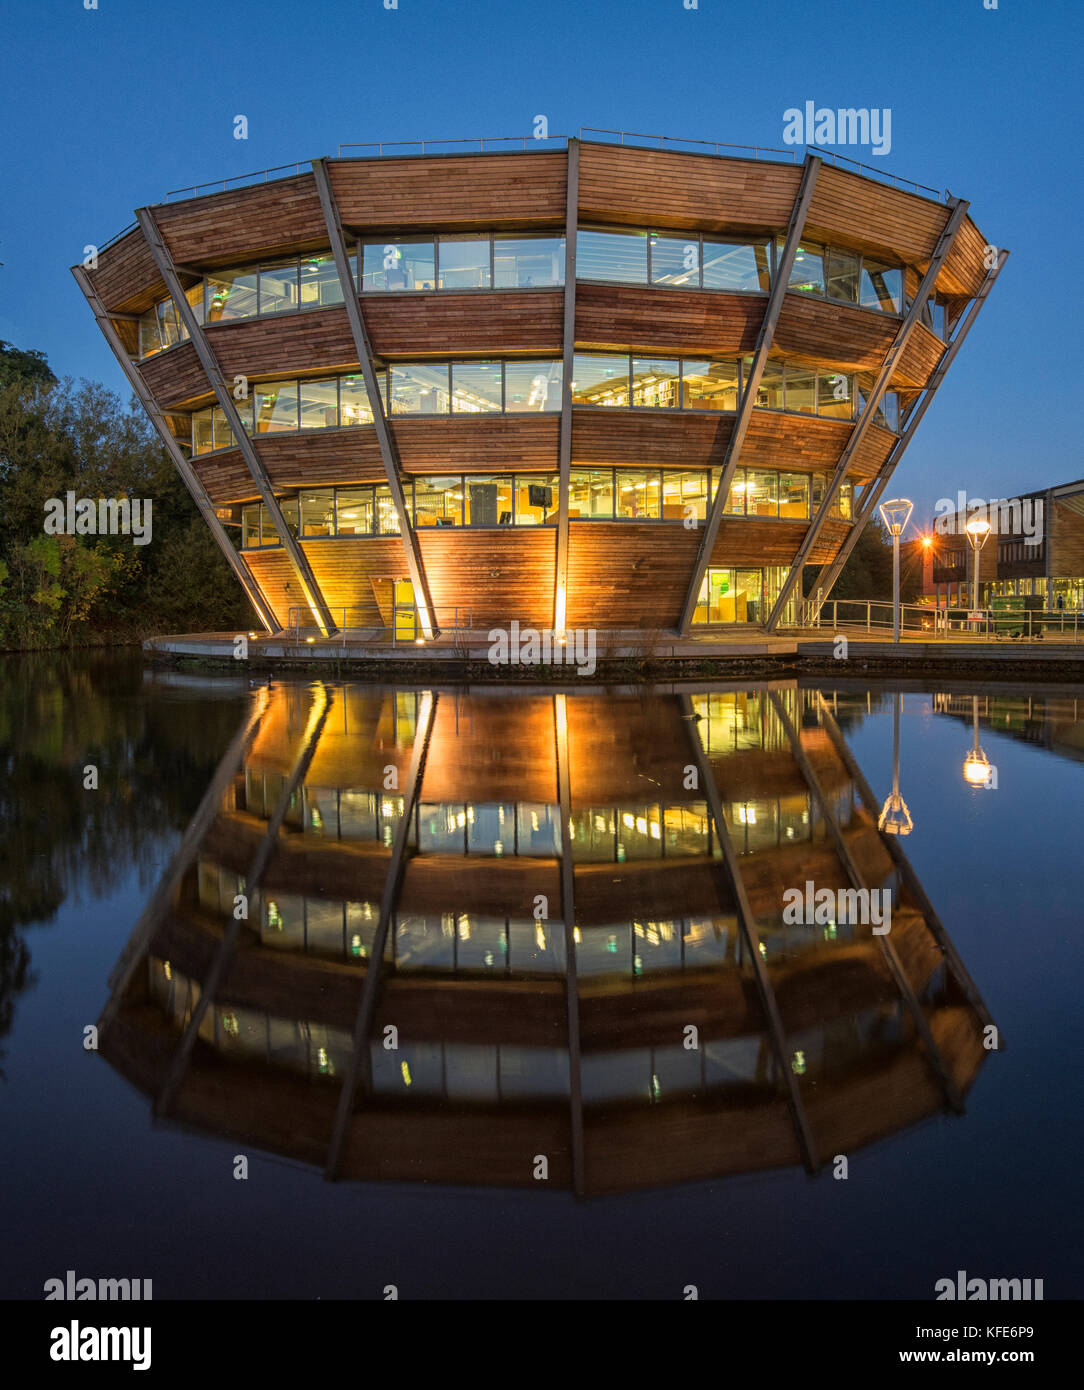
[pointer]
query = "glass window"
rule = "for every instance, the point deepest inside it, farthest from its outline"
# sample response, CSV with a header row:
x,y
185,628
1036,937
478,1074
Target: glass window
x,y
202,432
278,286
354,399
288,507
591,493
318,512
835,395
807,272
638,493
709,385
527,262
231,294
600,380
463,263
532,386
770,391
655,382
762,492
675,260
819,481
319,283
438,501
881,286
195,300
250,526
476,387
842,276
387,518
535,499
354,511
319,404
488,501
889,414
841,503
276,407
246,409
223,434
933,316
794,495
733,265
735,501
169,323
681,491
390,265
419,388
150,333
618,256
801,389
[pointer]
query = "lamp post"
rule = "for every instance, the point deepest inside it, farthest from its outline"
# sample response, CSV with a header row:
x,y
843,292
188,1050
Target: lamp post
x,y
895,818
977,529
895,515
976,764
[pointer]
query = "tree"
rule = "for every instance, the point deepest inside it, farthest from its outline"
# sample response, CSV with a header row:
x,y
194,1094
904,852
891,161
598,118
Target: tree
x,y
868,571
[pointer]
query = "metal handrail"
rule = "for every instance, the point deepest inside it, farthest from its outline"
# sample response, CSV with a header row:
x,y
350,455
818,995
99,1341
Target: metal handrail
x,y
938,622
522,141
240,180
300,625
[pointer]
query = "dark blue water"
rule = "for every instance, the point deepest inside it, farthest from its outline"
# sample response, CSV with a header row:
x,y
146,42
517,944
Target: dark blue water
x,y
93,1184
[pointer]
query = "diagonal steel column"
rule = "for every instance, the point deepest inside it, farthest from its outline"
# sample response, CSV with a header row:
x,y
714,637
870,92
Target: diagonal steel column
x,y
209,362
907,872
892,960
138,943
363,347
360,1061
749,388
568,353
253,889
748,928
189,476
940,254
830,573
568,917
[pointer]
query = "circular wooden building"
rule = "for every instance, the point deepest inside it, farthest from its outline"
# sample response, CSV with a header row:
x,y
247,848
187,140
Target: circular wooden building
x,y
594,386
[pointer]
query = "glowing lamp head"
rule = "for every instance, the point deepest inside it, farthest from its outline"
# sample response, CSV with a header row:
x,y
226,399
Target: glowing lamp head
x,y
896,514
977,529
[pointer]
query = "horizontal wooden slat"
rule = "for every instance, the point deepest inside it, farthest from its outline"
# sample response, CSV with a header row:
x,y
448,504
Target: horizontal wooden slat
x,y
500,575
765,541
317,340
684,322
453,325
127,278
175,377
657,188
627,574
451,191
244,224
865,215
273,573
472,443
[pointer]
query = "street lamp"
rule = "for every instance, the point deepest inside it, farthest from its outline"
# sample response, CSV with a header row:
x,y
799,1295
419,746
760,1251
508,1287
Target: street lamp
x,y
895,818
976,764
895,515
977,529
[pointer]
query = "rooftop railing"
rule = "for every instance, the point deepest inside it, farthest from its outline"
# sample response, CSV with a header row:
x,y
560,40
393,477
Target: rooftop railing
x,y
386,149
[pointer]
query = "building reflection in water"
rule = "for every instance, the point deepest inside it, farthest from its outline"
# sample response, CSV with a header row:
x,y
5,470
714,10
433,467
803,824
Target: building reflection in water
x,y
567,912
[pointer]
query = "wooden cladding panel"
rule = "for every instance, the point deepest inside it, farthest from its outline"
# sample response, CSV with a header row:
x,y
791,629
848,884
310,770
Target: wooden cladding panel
x,y
871,453
497,887
815,332
641,439
127,278
244,223
1065,541
794,441
273,573
344,569
320,457
965,267
854,211
499,574
503,321
492,748
447,191
175,376
225,477
762,541
287,345
604,588
472,442
662,188
686,322
919,358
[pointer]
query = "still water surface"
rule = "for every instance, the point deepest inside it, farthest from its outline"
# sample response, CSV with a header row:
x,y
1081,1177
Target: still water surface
x,y
690,1083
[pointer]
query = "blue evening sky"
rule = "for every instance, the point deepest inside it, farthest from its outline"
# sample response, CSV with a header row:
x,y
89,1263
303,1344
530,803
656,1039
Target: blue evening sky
x,y
106,110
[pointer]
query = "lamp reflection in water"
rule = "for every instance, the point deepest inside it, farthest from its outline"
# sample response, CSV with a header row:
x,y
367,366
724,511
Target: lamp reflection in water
x,y
895,818
977,767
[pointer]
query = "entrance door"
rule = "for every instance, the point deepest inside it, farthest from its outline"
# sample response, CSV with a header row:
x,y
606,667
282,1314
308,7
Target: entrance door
x,y
406,617
749,600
